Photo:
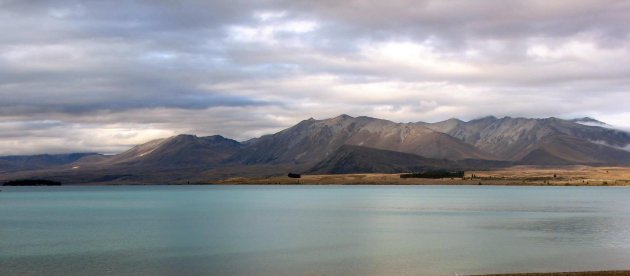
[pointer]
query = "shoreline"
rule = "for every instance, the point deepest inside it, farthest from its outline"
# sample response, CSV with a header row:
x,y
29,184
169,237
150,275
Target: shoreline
x,y
514,176
423,182
580,273
378,179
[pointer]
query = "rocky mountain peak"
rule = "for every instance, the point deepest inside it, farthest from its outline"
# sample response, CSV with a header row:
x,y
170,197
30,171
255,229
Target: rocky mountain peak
x,y
587,120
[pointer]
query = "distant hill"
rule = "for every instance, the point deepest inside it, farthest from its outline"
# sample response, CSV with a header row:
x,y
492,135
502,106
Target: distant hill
x,y
34,162
342,144
179,151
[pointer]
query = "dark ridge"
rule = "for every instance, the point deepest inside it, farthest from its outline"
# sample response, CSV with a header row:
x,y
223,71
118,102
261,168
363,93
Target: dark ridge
x,y
543,157
358,159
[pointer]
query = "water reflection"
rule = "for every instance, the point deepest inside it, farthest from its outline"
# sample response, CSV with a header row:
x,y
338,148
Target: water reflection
x,y
586,229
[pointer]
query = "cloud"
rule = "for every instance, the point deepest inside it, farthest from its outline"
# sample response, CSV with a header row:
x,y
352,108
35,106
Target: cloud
x,y
103,75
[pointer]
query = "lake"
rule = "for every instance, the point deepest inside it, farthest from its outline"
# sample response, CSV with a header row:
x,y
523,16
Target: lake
x,y
297,230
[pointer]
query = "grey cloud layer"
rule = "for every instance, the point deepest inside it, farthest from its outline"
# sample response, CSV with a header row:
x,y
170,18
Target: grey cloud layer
x,y
103,75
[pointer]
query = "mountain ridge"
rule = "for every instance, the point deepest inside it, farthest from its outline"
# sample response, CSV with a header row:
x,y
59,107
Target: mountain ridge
x,y
366,143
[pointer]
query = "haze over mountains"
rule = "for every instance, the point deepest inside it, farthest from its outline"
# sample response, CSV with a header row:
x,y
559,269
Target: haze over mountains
x,y
343,144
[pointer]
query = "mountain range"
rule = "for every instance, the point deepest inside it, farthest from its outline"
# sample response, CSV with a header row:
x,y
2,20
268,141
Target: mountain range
x,y
342,144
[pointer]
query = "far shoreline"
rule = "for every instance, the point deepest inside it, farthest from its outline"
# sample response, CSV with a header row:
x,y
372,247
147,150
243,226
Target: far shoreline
x,y
580,273
514,176
585,176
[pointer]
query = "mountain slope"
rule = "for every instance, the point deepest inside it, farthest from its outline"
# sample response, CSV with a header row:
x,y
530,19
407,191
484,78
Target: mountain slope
x,y
356,159
313,140
176,151
515,138
565,150
415,139
353,159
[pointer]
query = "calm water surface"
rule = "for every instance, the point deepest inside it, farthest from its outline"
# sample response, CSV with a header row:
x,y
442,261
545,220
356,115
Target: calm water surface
x,y
296,230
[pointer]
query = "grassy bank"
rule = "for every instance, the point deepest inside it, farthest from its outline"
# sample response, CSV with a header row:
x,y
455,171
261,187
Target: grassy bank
x,y
521,176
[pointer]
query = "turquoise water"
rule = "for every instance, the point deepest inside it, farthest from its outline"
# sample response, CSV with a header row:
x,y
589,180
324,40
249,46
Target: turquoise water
x,y
297,230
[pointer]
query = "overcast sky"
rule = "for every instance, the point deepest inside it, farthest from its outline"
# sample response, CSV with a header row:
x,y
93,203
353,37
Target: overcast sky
x,y
105,75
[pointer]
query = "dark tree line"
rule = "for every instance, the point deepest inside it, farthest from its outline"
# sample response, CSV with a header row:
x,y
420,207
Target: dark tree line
x,y
32,182
434,174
